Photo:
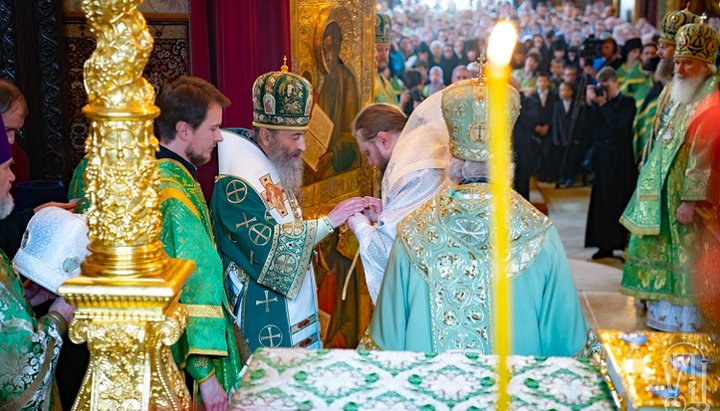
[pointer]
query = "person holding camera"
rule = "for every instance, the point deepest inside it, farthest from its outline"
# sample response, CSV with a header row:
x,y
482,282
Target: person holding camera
x,y
615,171
413,95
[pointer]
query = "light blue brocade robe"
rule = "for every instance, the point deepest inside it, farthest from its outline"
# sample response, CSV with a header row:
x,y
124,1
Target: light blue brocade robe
x,y
547,319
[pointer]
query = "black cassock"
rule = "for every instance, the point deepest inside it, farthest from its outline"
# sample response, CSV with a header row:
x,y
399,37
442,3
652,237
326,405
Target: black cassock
x,y
615,172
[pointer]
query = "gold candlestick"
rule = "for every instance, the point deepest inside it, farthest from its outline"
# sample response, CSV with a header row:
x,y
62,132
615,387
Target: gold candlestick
x,y
127,298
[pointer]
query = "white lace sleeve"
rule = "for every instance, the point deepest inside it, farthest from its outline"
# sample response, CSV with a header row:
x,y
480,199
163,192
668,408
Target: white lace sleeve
x,y
409,193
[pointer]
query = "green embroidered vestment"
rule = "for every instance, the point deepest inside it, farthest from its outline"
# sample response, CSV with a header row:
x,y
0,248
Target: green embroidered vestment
x,y
29,348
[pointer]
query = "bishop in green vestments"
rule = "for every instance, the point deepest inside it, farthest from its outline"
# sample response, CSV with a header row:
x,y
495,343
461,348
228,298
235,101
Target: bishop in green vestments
x,y
663,213
383,89
437,290
265,243
645,128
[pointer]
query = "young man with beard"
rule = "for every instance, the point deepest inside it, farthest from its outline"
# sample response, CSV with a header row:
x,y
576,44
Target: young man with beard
x,y
665,215
634,81
411,176
265,244
29,347
645,126
188,128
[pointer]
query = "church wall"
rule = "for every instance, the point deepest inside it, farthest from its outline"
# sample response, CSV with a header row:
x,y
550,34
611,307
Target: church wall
x,y
43,45
168,61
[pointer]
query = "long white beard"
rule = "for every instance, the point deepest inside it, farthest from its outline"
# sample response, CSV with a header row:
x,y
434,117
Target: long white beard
x,y
6,206
684,90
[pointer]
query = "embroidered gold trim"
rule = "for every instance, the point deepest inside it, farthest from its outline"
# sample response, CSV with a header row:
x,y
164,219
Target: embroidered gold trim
x,y
200,310
207,377
195,351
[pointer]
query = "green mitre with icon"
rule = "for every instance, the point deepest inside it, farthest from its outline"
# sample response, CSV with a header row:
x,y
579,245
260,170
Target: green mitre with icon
x,y
383,24
282,100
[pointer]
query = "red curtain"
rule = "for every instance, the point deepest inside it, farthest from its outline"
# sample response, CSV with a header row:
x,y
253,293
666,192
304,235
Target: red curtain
x,y
231,43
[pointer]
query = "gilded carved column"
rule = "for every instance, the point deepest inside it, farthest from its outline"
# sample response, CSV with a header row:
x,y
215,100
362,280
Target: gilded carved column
x,y
127,298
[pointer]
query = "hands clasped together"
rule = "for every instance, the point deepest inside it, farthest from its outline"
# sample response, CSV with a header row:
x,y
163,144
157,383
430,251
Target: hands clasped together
x,y
356,210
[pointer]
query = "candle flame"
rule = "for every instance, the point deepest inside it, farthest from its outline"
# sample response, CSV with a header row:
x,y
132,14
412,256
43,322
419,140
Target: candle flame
x,y
502,43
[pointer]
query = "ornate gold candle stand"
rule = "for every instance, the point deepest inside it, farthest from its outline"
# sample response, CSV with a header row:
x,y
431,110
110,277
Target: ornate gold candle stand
x,y
127,298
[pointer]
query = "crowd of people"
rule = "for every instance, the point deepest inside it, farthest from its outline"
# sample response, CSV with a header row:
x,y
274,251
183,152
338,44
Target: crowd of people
x,y
586,86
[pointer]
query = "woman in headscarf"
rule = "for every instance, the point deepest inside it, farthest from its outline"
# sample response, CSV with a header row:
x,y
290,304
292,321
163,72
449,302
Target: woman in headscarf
x,y
436,81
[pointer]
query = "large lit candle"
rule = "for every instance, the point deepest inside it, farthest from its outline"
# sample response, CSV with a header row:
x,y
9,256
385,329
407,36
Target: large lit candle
x,y
500,47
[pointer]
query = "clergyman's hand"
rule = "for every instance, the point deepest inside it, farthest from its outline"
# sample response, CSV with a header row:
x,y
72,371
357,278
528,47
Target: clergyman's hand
x,y
213,395
357,219
345,209
36,294
66,310
374,208
686,212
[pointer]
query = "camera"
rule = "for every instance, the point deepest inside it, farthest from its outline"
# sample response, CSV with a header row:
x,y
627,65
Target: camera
x,y
599,90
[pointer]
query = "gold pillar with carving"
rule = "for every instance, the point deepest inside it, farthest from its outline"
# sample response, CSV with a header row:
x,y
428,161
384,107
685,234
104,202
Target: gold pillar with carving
x,y
127,298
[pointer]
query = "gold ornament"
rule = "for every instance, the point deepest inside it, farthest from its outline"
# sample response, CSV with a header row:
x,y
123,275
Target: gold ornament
x,y
641,367
127,298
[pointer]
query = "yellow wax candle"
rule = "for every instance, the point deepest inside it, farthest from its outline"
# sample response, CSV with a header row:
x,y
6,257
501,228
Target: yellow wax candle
x,y
500,47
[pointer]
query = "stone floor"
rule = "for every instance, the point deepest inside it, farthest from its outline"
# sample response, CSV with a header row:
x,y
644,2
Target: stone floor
x,y
597,281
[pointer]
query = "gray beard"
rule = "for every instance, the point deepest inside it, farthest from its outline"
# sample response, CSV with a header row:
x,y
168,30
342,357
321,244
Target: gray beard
x,y
6,206
290,171
664,70
683,91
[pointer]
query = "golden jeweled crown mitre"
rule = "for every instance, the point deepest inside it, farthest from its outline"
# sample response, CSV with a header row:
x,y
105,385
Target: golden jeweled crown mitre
x,y
697,41
383,24
465,110
282,100
673,21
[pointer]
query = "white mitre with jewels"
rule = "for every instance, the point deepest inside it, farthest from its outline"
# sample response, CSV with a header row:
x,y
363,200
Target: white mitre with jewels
x,y
54,245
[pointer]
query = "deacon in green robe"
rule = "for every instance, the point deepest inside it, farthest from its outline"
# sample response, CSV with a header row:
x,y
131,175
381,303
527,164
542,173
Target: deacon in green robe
x,y
643,125
634,81
662,215
437,290
208,349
